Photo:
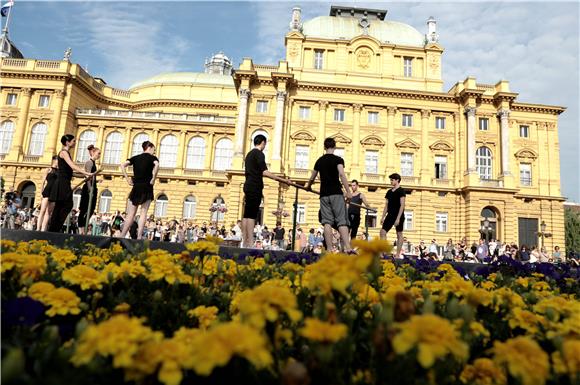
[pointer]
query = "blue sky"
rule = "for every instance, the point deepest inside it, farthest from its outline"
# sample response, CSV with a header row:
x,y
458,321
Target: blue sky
x,y
534,45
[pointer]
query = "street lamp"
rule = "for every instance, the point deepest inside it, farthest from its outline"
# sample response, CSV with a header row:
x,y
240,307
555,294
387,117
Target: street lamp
x,y
543,234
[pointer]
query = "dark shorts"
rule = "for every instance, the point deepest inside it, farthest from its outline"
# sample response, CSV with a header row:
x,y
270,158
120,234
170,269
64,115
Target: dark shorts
x,y
390,222
354,220
252,205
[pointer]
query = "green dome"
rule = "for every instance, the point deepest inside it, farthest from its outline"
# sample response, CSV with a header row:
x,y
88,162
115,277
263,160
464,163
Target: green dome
x,y
330,27
186,78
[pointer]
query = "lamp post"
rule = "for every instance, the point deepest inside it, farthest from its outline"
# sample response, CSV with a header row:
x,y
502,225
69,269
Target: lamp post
x,y
543,234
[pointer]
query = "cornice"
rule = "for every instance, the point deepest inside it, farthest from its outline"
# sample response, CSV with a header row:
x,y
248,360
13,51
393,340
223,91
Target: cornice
x,y
33,75
538,108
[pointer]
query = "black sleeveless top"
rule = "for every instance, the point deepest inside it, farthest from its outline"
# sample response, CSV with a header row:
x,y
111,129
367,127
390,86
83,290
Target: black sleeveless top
x,y
61,190
50,180
357,199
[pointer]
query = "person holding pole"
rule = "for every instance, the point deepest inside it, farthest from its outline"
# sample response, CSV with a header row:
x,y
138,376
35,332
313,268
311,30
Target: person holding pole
x,y
89,192
358,198
255,169
333,210
393,212
145,168
45,205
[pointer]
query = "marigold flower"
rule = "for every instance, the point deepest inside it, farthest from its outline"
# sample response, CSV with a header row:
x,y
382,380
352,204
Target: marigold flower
x,y
483,372
320,331
204,247
161,267
62,301
524,359
567,360
334,272
84,276
63,257
206,315
526,320
40,290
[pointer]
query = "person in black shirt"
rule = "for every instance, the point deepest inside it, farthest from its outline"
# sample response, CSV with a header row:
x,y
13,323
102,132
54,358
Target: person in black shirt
x,y
255,170
354,211
393,212
145,168
332,201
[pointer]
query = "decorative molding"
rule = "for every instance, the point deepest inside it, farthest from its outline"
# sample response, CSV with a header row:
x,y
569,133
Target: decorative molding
x,y
244,93
391,110
526,153
322,104
357,107
303,135
503,113
26,91
425,113
408,143
441,145
372,140
470,111
340,138
363,57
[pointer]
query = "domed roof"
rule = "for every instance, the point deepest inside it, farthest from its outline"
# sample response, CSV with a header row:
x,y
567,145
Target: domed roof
x,y
186,78
330,27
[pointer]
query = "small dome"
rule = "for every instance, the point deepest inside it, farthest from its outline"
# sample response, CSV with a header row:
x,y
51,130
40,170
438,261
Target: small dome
x,y
330,27
186,78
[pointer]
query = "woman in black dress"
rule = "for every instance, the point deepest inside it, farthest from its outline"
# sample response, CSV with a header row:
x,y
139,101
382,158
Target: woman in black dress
x,y
61,192
45,205
90,166
145,168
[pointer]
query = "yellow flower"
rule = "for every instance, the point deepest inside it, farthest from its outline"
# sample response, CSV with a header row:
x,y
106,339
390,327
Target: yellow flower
x,y
257,263
569,327
320,331
63,257
524,359
375,247
123,307
488,285
561,306
526,320
162,267
39,290
507,298
334,272
166,355
483,372
523,282
208,246
84,276
205,315
433,336
541,286
62,301
567,361
132,268
7,244
33,267
94,261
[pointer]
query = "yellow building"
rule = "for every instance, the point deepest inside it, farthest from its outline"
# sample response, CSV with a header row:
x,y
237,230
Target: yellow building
x,y
467,154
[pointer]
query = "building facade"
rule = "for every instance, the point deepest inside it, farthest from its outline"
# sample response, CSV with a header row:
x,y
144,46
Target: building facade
x,y
474,159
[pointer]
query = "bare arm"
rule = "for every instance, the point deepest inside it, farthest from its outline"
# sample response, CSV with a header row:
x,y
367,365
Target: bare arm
x,y
344,181
364,200
64,155
401,210
311,180
270,175
124,171
46,171
385,210
155,171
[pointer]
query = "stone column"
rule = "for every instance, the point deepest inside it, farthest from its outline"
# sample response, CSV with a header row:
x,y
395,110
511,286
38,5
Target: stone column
x,y
181,152
127,147
278,126
53,139
425,158
322,104
209,154
155,137
457,134
505,141
470,111
391,111
16,151
101,138
355,168
241,126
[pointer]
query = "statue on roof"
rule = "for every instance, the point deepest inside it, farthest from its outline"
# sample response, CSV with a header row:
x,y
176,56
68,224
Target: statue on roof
x,y
67,54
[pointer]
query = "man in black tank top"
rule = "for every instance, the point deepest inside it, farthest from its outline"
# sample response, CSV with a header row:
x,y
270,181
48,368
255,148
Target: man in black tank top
x,y
393,214
354,211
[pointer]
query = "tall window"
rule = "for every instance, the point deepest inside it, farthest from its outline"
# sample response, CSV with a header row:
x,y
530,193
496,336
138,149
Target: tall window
x,y
37,138
441,222
407,168
11,100
138,140
373,117
301,214
483,162
189,206
261,132
407,120
262,106
6,134
483,124
302,155
223,154
85,139
105,202
338,115
113,148
195,153
318,59
168,151
304,113
43,101
408,66
372,162
440,167
525,174
339,152
77,198
161,206
439,122
524,131
408,225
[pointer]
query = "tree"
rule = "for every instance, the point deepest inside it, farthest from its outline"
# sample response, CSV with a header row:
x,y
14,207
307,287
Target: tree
x,y
572,228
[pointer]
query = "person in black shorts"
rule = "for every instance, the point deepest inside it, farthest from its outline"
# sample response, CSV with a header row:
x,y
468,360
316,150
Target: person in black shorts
x,y
354,211
145,168
332,201
255,170
393,212
91,184
46,206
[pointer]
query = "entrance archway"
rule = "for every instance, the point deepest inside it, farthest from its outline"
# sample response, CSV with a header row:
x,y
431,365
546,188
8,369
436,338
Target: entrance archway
x,y
489,223
28,193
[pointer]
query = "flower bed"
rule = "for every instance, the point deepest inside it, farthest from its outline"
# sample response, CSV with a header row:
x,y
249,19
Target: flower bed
x,y
95,316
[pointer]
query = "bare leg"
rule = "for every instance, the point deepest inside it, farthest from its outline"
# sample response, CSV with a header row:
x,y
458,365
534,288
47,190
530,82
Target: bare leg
x,y
383,234
328,238
47,215
345,238
142,219
131,210
399,244
43,209
248,232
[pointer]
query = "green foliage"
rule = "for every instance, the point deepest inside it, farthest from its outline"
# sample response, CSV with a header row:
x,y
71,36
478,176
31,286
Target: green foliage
x,y
572,227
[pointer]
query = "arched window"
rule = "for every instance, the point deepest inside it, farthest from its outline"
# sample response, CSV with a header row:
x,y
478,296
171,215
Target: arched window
x,y
168,151
161,206
223,154
189,206
37,138
105,202
137,143
218,209
195,153
261,132
483,162
85,139
113,148
6,134
77,198
28,194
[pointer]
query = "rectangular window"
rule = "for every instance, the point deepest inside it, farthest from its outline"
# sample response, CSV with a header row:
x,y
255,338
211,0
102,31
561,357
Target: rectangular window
x,y
524,131
262,106
440,123
301,214
483,124
43,101
11,100
339,152
318,59
441,222
371,220
440,167
408,66
338,115
525,174
407,164
304,113
372,162
302,153
407,120
408,225
373,117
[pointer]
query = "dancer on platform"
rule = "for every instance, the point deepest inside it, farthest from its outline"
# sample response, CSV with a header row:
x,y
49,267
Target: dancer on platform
x,y
61,192
354,211
46,207
393,212
145,168
91,184
255,169
333,210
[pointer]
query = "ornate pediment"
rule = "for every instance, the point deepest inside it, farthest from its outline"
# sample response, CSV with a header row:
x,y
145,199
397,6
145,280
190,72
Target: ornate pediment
x,y
303,135
408,143
441,145
372,140
339,138
526,153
